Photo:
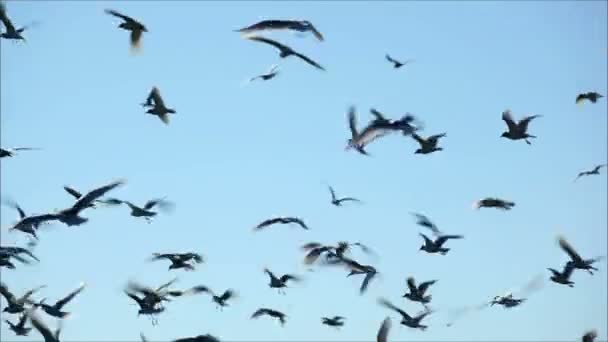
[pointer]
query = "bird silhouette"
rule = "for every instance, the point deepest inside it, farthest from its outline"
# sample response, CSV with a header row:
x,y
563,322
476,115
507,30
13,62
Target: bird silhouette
x,y
278,24
270,312
589,96
517,130
285,51
55,310
129,24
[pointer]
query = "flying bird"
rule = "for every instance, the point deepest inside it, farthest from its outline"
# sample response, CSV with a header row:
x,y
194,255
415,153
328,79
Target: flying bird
x,y
55,309
286,51
336,321
436,246
179,260
270,312
28,229
589,96
508,300
267,76
294,25
6,253
428,145
280,282
281,220
417,293
19,329
424,221
199,338
360,139
491,202
129,24
146,211
11,152
383,331
589,336
407,320
145,308
221,300
17,305
517,130
157,106
576,261
562,277
338,201
397,64
77,195
10,31
43,329
595,171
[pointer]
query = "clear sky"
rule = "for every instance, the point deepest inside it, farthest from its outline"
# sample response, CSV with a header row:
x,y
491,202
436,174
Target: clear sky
x,y
235,155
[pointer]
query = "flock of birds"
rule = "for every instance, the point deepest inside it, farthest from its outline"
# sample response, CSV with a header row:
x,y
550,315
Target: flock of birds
x,y
152,300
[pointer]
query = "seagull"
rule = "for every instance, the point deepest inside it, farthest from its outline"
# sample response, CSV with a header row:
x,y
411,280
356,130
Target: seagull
x,y
562,277
46,333
6,253
281,220
295,25
383,331
491,202
519,130
17,305
431,246
280,283
407,320
416,293
220,300
336,321
270,312
11,152
135,27
338,201
145,308
576,261
19,329
11,32
360,139
267,76
428,145
509,301
595,171
590,96
157,106
28,229
424,221
55,309
397,64
286,51
77,195
179,260
146,211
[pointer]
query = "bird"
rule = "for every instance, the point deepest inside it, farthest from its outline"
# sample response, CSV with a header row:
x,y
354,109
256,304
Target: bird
x,y
199,338
424,221
407,320
277,24
146,211
594,171
157,106
397,64
77,195
11,152
417,293
492,202
270,312
519,130
145,308
281,220
135,27
220,300
43,329
562,277
384,329
428,145
285,51
179,260
55,309
336,321
360,139
576,261
589,336
11,32
28,229
507,301
17,305
152,297
280,283
405,124
356,268
268,75
19,329
6,253
435,246
589,96
338,201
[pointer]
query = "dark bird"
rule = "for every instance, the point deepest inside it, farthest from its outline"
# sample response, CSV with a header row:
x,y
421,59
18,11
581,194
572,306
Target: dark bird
x,y
435,246
28,229
508,300
294,25
280,283
179,260
428,145
199,338
417,293
11,152
338,201
157,106
135,27
267,76
10,31
590,96
491,202
407,320
220,300
6,253
145,308
286,51
17,305
270,312
146,212
19,329
519,130
281,220
336,321
562,277
77,195
374,130
397,64
356,268
43,329
55,309
595,171
424,221
406,124
383,331
589,336
576,261
153,297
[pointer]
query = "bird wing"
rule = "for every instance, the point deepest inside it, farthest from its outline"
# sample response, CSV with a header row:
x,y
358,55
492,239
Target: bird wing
x,y
333,193
313,255
419,139
143,337
567,271
597,168
266,25
383,331
267,223
568,249
379,116
311,245
580,98
390,305
35,220
26,296
22,320
92,195
69,297
72,192
284,278
316,32
299,222
270,274
391,59
411,284
274,43
368,278
227,295
159,256
166,285
425,285
260,312
371,133
135,298
352,122
120,15
523,123
309,61
155,96
42,328
434,138
15,206
424,221
7,294
426,239
364,248
4,18
442,239
160,202
506,116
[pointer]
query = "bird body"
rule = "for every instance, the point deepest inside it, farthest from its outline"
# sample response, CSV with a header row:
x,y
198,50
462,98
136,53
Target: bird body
x,y
428,145
338,201
336,321
562,277
270,312
576,261
280,282
157,106
396,64
179,260
517,130
589,96
17,305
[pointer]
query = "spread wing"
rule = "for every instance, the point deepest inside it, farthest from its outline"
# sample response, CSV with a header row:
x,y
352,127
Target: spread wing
x,y
287,277
411,284
72,192
267,223
87,199
424,286
260,312
316,32
580,98
159,256
135,38
379,116
135,298
266,25
368,278
26,296
391,59
270,42
160,202
508,119
69,297
597,168
15,206
434,138
119,15
333,193
155,97
299,222
426,239
389,305
523,123
7,294
568,249
227,295
309,61
385,327
352,122
4,18
442,239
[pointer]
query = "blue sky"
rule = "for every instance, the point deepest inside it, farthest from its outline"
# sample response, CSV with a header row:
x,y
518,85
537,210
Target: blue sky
x,y
234,156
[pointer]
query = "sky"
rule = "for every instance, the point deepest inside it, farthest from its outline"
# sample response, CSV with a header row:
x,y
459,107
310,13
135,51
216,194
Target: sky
x,y
236,154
